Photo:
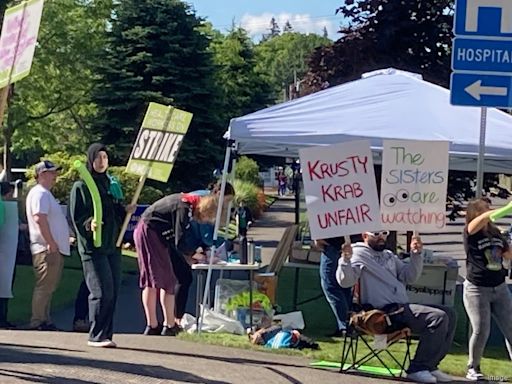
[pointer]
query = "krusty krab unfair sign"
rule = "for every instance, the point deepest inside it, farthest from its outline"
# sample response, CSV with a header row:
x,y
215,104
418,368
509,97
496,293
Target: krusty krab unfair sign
x,y
158,142
340,188
414,185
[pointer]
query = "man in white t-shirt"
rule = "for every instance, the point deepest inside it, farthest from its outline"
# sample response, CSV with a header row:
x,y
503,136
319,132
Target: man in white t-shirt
x,y
49,242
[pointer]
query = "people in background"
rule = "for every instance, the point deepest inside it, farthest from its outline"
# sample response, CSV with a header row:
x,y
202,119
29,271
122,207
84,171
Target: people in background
x,y
101,265
338,298
485,292
162,256
382,277
49,243
8,245
243,218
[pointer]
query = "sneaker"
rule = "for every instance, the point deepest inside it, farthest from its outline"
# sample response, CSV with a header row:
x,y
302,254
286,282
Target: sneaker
x,y
422,377
474,374
170,331
102,344
81,325
7,325
149,331
441,377
48,327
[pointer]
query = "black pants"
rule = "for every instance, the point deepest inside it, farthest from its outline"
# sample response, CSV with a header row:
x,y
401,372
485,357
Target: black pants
x,y
103,276
183,274
82,303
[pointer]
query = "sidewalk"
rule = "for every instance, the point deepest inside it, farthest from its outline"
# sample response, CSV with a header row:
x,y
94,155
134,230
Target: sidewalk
x,y
52,357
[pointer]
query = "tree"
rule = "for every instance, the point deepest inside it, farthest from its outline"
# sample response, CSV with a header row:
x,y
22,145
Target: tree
x,y
283,59
410,35
49,109
274,30
287,27
242,89
158,51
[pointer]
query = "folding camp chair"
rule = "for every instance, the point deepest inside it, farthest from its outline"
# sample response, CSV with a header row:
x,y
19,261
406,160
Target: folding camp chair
x,y
349,359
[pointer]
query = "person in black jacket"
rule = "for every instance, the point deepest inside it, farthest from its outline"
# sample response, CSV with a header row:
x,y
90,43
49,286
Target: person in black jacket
x,y
160,240
101,265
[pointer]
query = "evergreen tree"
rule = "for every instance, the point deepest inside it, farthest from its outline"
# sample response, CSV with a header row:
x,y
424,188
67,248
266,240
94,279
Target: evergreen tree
x,y
325,34
274,30
287,27
409,34
158,51
242,89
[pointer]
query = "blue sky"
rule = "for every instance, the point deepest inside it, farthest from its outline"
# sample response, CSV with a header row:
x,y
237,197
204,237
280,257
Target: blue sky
x,y
254,15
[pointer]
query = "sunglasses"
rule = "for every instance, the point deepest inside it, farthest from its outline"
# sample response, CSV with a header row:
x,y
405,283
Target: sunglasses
x,y
378,234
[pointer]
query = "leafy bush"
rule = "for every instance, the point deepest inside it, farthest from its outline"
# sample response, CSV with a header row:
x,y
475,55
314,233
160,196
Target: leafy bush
x,y
251,195
247,170
68,175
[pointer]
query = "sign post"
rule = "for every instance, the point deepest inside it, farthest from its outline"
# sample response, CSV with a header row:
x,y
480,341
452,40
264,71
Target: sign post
x,y
156,148
482,61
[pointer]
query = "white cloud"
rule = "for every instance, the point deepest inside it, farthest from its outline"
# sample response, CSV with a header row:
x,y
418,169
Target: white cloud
x,y
257,25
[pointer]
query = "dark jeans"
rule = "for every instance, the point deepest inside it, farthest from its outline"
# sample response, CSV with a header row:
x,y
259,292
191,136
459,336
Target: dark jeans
x,y
183,274
82,302
338,298
435,326
102,274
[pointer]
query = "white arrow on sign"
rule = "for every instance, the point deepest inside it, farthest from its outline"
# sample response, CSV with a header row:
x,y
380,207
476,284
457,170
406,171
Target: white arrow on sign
x,y
476,90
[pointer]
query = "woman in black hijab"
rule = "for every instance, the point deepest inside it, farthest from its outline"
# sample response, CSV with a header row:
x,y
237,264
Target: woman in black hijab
x,y
101,265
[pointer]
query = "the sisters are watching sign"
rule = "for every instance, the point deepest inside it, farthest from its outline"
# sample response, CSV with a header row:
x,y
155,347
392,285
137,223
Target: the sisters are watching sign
x,y
414,184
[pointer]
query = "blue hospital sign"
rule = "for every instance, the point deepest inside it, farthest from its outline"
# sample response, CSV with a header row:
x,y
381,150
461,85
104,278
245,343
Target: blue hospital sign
x,y
482,53
491,18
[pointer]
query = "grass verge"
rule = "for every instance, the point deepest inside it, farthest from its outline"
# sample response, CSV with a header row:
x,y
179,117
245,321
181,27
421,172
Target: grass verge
x,y
495,362
20,306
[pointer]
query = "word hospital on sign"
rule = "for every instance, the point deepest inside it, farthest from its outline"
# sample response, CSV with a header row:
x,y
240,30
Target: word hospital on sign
x,y
157,146
484,55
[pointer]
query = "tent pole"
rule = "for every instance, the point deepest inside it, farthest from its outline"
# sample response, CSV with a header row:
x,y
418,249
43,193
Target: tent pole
x,y
481,153
218,219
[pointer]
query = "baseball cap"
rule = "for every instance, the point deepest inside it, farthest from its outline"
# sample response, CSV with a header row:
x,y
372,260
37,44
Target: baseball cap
x,y
45,166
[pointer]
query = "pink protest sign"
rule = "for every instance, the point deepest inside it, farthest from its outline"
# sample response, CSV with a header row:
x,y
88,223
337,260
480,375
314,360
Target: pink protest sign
x,y
18,40
340,189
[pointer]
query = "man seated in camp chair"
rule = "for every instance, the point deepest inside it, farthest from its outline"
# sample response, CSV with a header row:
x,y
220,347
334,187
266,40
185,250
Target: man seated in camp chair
x,y
382,277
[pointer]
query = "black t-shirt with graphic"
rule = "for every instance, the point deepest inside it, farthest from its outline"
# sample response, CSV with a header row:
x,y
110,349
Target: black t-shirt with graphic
x,y
484,258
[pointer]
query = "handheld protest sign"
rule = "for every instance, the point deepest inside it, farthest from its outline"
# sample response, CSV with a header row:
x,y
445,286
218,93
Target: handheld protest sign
x,y
414,185
340,189
156,148
18,40
96,201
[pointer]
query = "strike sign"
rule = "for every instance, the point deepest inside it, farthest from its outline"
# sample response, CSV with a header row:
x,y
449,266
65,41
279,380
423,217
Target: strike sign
x,y
158,142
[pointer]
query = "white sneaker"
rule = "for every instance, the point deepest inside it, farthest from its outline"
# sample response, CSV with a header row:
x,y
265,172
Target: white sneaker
x,y
441,376
474,375
102,344
422,377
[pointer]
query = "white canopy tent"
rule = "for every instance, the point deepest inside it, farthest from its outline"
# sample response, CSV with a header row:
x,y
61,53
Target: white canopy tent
x,y
385,104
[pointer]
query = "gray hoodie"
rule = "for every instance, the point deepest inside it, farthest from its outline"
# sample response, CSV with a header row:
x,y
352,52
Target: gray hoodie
x,y
382,275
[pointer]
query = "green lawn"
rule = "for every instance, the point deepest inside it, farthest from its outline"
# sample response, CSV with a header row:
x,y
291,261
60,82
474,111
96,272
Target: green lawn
x,y
496,361
20,305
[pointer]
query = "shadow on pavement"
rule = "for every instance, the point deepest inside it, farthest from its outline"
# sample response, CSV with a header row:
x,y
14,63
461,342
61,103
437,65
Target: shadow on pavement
x,y
284,375
233,360
14,355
